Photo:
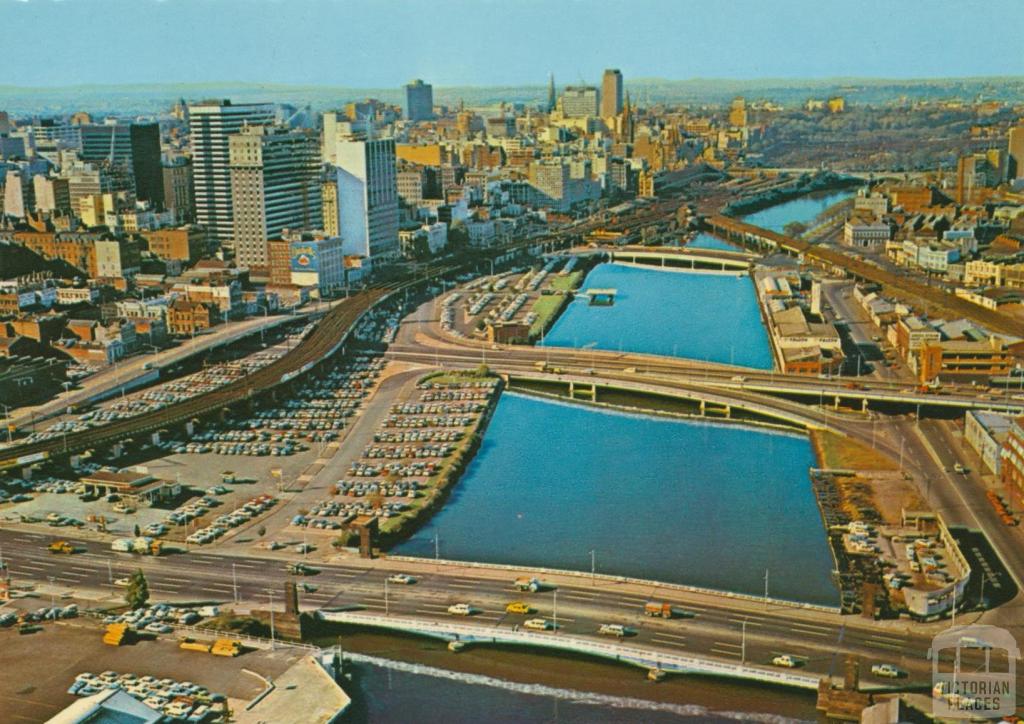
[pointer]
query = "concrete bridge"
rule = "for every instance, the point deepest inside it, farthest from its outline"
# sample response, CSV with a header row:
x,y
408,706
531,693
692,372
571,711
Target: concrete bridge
x,y
706,402
672,257
647,658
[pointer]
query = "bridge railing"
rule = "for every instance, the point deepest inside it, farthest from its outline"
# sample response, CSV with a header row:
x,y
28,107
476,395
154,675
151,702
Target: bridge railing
x,y
635,655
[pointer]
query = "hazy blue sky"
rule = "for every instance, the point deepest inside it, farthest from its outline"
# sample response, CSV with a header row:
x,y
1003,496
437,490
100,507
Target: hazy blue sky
x,y
384,43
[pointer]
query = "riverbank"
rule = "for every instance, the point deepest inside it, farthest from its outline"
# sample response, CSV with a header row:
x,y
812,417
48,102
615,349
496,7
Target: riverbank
x,y
696,316
801,186
394,531
578,688
548,472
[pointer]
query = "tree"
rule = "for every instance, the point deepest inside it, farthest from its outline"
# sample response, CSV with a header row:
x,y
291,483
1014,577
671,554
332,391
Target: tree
x,y
458,236
137,593
138,531
261,531
794,228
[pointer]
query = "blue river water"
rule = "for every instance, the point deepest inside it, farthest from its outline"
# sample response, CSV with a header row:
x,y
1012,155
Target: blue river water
x,y
696,503
698,316
803,209
707,241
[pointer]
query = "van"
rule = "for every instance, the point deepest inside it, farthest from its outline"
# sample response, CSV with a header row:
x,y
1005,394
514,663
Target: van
x,y
612,629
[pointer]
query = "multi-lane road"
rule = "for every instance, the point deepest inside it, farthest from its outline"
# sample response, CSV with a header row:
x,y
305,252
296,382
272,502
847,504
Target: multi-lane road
x,y
720,626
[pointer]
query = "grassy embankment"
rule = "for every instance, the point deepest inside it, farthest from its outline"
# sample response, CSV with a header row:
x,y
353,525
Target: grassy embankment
x,y
549,306
836,452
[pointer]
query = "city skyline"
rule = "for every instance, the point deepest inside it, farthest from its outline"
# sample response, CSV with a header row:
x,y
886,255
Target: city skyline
x,y
213,42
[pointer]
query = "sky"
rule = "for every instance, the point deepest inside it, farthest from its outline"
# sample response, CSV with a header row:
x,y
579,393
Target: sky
x,y
385,43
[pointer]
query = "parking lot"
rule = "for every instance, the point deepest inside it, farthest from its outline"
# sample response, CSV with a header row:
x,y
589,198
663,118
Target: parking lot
x,y
36,693
166,393
408,457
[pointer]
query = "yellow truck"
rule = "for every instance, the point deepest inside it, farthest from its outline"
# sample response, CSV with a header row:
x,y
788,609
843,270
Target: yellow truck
x,y
193,645
61,546
226,647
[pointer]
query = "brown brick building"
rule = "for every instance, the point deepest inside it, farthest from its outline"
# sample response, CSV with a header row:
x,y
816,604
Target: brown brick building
x,y
185,318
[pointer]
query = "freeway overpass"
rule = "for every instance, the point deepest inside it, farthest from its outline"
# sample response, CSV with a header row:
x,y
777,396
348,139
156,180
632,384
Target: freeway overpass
x,y
640,367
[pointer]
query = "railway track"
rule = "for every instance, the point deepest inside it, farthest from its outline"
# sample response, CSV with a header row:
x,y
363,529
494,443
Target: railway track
x,y
325,338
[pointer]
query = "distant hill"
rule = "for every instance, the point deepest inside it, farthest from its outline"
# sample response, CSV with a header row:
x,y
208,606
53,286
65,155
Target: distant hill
x,y
142,99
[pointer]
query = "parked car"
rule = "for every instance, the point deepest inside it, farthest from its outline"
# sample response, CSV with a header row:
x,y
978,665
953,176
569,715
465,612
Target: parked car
x,y
888,671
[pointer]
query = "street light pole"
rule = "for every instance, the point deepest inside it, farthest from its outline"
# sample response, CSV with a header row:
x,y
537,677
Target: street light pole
x,y
743,644
593,568
387,609
234,583
766,588
7,420
554,610
270,595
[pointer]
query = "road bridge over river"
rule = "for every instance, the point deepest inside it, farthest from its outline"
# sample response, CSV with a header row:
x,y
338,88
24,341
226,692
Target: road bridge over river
x,y
716,632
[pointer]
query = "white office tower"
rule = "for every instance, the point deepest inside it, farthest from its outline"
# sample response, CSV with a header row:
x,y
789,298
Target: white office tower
x,y
368,197
210,125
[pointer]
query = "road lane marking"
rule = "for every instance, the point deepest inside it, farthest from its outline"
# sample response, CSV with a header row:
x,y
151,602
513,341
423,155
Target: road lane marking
x,y
889,646
657,640
669,635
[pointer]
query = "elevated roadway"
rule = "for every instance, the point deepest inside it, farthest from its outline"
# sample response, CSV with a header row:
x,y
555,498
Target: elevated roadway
x,y
130,372
325,338
833,392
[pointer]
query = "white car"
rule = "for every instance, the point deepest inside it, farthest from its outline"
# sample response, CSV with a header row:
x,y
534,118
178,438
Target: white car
x,y
122,581
538,624
887,670
461,609
403,578
786,661
612,629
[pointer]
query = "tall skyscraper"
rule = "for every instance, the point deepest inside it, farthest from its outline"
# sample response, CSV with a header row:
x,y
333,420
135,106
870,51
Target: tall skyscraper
x,y
133,146
611,93
419,101
19,192
275,184
1015,153
580,101
738,112
210,125
368,197
551,93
